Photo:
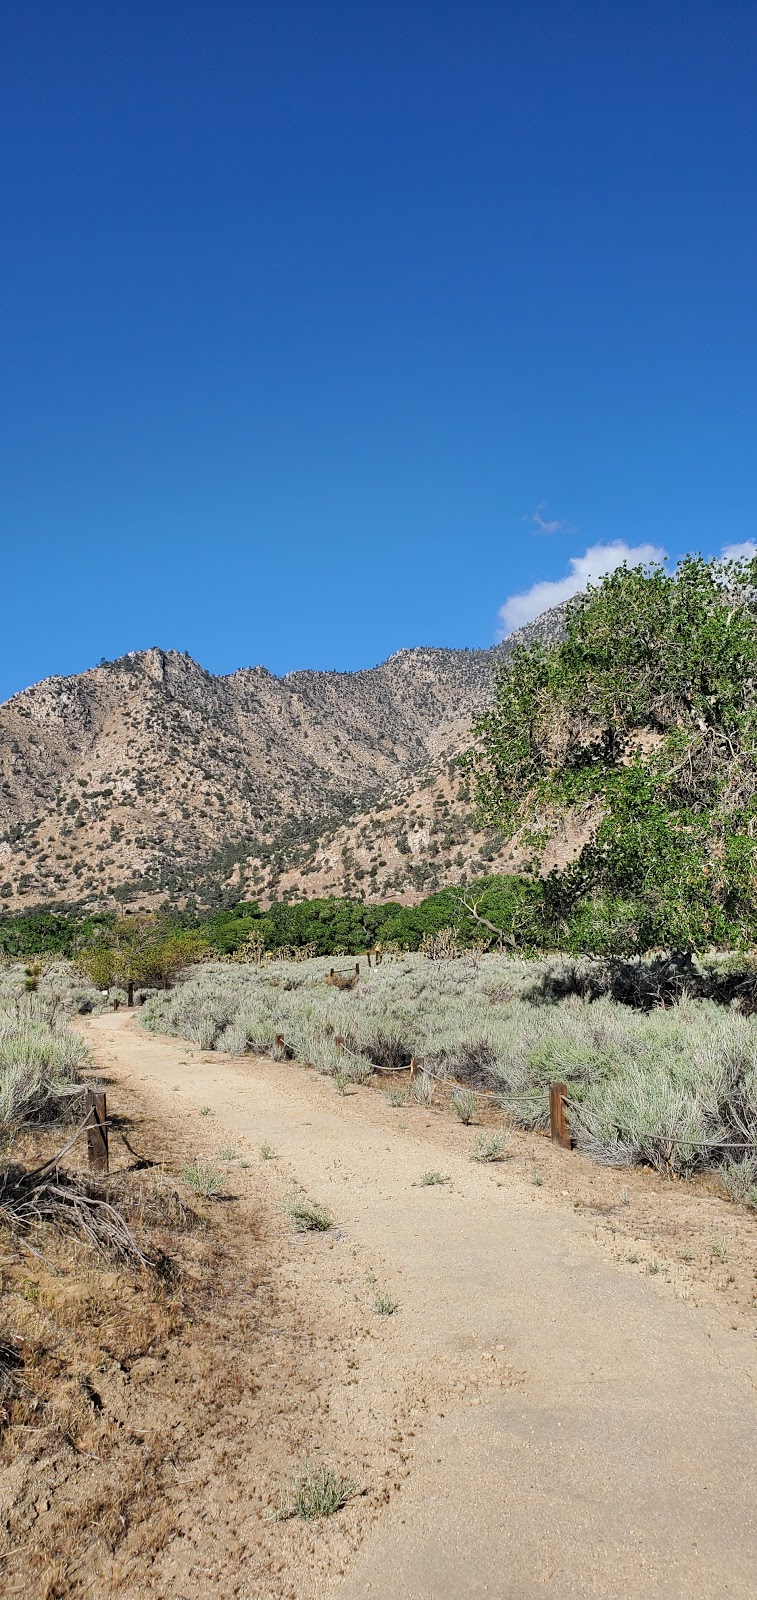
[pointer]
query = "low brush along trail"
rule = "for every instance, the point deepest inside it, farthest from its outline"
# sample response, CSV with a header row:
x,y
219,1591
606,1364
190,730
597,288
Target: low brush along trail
x,y
554,1423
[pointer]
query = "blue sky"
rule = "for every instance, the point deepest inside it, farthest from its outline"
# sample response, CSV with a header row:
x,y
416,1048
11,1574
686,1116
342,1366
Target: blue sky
x,y
329,328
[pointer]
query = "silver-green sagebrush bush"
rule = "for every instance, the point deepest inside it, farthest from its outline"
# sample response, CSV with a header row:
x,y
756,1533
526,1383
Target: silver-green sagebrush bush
x,y
671,1086
490,1147
41,1057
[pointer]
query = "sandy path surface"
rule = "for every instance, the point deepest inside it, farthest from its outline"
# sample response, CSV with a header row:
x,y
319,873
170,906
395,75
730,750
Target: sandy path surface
x,y
590,1434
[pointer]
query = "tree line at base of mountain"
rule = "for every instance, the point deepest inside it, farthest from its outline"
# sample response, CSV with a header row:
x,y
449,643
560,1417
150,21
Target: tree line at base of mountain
x,y
511,914
148,943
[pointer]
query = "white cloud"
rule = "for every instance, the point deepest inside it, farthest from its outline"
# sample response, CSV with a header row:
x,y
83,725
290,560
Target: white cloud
x,y
545,527
593,564
739,552
543,524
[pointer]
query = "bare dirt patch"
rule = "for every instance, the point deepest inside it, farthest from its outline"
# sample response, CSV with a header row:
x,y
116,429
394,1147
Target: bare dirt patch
x,y
686,1232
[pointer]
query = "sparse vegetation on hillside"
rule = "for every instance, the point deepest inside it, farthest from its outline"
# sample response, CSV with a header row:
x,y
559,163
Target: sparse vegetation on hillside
x,y
148,782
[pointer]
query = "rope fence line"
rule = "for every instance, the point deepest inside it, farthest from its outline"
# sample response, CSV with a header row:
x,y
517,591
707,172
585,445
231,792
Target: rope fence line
x,y
448,1083
567,1103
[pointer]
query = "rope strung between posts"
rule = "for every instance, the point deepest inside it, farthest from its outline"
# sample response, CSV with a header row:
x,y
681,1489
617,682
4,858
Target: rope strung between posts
x,y
451,1083
573,1106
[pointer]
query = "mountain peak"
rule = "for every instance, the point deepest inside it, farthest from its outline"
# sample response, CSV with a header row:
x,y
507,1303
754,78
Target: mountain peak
x,y
113,791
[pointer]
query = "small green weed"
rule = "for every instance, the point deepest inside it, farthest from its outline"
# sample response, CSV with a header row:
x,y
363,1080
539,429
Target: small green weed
x,y
396,1097
463,1103
385,1306
267,1153
490,1147
307,1216
206,1111
428,1179
203,1178
318,1492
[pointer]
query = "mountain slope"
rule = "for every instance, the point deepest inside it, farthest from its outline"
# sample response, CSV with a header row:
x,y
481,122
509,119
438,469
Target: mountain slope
x,y
147,778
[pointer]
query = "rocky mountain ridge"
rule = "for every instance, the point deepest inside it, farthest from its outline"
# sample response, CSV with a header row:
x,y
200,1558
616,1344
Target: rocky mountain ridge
x,y
147,779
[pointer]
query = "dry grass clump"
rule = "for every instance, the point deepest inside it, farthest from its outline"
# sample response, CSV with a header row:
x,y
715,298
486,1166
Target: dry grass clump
x,y
89,1462
70,1203
203,1179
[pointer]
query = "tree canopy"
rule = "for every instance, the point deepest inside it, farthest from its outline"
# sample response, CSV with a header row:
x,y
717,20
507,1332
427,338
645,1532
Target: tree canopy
x,y
640,728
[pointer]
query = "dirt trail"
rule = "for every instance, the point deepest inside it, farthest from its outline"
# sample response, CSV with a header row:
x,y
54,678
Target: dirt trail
x,y
584,1432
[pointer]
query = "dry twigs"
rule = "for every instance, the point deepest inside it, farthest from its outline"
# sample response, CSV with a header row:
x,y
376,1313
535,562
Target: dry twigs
x,y
70,1203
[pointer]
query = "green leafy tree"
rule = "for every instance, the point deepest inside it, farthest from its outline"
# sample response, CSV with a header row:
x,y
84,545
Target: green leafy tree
x,y
640,730
145,948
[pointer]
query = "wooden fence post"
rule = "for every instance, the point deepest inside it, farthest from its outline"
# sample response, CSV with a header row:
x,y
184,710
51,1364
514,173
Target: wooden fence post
x,y
339,1042
97,1130
357,969
559,1127
278,1042
130,992
368,953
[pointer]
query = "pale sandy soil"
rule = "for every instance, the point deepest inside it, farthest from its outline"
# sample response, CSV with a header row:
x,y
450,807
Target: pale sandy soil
x,y
541,1416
